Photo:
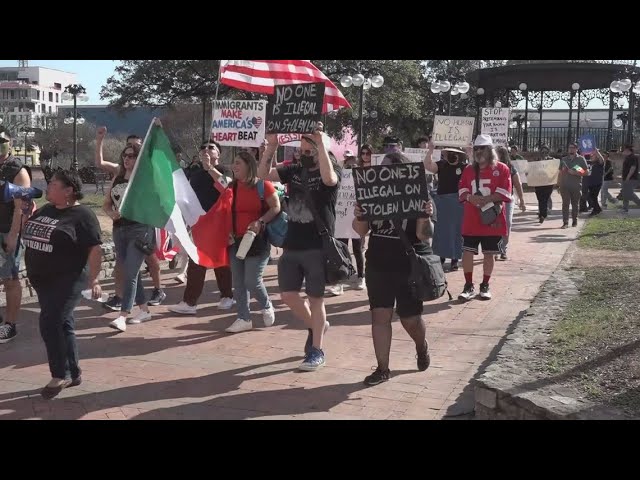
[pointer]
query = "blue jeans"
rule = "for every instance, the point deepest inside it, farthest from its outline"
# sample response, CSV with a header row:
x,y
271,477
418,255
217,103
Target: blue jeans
x,y
57,301
124,239
508,210
247,278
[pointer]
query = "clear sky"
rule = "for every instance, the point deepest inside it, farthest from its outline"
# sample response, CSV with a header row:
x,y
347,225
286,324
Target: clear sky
x,y
92,74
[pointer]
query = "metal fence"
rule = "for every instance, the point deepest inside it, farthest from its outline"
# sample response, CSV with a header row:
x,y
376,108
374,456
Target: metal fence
x,y
556,137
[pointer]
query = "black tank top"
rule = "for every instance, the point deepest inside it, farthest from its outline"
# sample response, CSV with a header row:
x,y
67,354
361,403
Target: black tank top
x,y
117,192
8,171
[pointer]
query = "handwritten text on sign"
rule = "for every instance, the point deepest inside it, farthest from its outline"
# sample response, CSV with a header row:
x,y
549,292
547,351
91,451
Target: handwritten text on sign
x,y
239,123
391,191
453,131
542,173
295,108
344,207
495,122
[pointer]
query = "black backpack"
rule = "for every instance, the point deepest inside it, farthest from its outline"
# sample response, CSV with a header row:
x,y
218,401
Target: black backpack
x,y
427,280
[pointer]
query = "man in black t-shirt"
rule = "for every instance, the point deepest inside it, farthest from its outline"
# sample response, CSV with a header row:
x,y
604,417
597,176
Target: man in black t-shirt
x,y
204,187
303,257
629,178
11,219
608,180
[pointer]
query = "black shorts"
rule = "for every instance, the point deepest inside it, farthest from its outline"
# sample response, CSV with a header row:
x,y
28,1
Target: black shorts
x,y
296,265
389,289
490,245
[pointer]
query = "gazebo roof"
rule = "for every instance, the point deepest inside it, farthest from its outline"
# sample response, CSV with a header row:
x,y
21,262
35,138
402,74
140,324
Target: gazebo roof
x,y
552,76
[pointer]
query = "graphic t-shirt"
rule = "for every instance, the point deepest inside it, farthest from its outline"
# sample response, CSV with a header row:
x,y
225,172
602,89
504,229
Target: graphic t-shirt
x,y
596,173
495,178
449,176
386,252
248,206
58,240
302,233
117,192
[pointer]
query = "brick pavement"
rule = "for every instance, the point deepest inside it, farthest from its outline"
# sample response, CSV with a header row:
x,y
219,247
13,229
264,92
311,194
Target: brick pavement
x,y
182,367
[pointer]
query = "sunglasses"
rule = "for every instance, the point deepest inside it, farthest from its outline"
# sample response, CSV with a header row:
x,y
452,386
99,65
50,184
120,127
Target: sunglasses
x,y
366,153
205,147
129,155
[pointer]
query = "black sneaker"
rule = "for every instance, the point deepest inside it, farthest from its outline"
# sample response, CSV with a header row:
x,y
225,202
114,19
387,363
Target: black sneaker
x,y
503,257
8,332
574,223
377,377
564,226
423,358
454,266
114,303
468,293
157,297
309,343
485,294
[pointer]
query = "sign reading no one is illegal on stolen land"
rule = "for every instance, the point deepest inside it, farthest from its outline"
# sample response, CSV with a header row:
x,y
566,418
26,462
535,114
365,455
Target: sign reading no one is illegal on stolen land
x,y
388,192
295,108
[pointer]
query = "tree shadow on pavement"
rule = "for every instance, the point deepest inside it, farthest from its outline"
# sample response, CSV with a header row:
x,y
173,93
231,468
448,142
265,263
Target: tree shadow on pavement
x,y
464,406
20,404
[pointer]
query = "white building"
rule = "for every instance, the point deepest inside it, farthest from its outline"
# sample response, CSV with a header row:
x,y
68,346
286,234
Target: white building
x,y
29,95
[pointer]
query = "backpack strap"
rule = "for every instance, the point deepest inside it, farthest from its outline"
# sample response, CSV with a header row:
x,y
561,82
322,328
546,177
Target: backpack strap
x,y
260,187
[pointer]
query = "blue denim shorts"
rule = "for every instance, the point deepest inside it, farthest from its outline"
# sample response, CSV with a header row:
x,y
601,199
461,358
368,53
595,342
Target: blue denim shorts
x,y
10,265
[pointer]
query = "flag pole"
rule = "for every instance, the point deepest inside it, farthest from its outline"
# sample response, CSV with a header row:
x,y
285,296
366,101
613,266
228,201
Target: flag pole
x,y
135,167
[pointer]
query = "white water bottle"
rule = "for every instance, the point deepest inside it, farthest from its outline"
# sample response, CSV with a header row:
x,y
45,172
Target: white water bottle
x,y
245,244
88,294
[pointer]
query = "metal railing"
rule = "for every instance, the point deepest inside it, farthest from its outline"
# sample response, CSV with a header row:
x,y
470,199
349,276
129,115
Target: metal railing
x,y
556,137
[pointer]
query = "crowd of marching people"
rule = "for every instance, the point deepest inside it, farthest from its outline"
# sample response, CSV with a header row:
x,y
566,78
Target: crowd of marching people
x,y
468,212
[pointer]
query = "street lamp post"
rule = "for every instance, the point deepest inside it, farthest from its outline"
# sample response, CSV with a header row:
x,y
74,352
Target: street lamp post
x,y
363,83
443,86
77,92
525,136
28,132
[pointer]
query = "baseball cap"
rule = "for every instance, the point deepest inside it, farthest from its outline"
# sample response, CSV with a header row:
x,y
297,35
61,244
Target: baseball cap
x,y
4,137
483,140
348,153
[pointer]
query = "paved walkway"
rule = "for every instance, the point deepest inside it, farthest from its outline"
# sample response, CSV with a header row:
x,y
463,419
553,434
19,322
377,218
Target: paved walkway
x,y
188,368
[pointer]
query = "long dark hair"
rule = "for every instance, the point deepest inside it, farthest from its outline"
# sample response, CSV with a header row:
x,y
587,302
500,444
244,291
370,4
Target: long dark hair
x,y
366,146
136,149
503,155
70,178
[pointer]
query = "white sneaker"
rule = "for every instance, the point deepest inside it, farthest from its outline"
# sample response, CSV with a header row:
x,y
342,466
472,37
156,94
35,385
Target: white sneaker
x,y
182,278
226,303
119,323
268,316
240,325
183,308
336,290
142,316
360,284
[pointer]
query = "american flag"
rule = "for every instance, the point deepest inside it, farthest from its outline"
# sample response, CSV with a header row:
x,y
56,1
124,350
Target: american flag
x,y
261,76
164,248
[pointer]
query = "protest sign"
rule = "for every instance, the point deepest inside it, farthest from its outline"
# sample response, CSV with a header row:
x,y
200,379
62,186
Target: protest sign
x,y
391,191
495,122
295,108
587,144
544,172
290,139
453,131
521,167
238,123
344,207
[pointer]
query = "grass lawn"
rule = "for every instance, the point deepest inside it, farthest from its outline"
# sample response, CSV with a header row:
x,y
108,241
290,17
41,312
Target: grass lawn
x,y
596,341
611,234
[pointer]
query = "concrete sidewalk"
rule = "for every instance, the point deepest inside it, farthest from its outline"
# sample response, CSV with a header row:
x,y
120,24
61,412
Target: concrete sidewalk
x,y
188,368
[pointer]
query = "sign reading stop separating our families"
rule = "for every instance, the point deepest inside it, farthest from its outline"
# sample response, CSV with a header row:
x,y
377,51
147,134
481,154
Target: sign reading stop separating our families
x,y
495,122
388,192
345,204
239,123
295,108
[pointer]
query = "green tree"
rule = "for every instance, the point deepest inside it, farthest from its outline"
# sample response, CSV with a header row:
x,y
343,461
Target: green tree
x,y
162,82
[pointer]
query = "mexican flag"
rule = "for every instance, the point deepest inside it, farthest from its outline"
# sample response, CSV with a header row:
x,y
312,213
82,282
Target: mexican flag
x,y
159,194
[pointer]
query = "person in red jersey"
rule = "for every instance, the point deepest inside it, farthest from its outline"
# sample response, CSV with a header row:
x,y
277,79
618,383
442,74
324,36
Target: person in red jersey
x,y
484,185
